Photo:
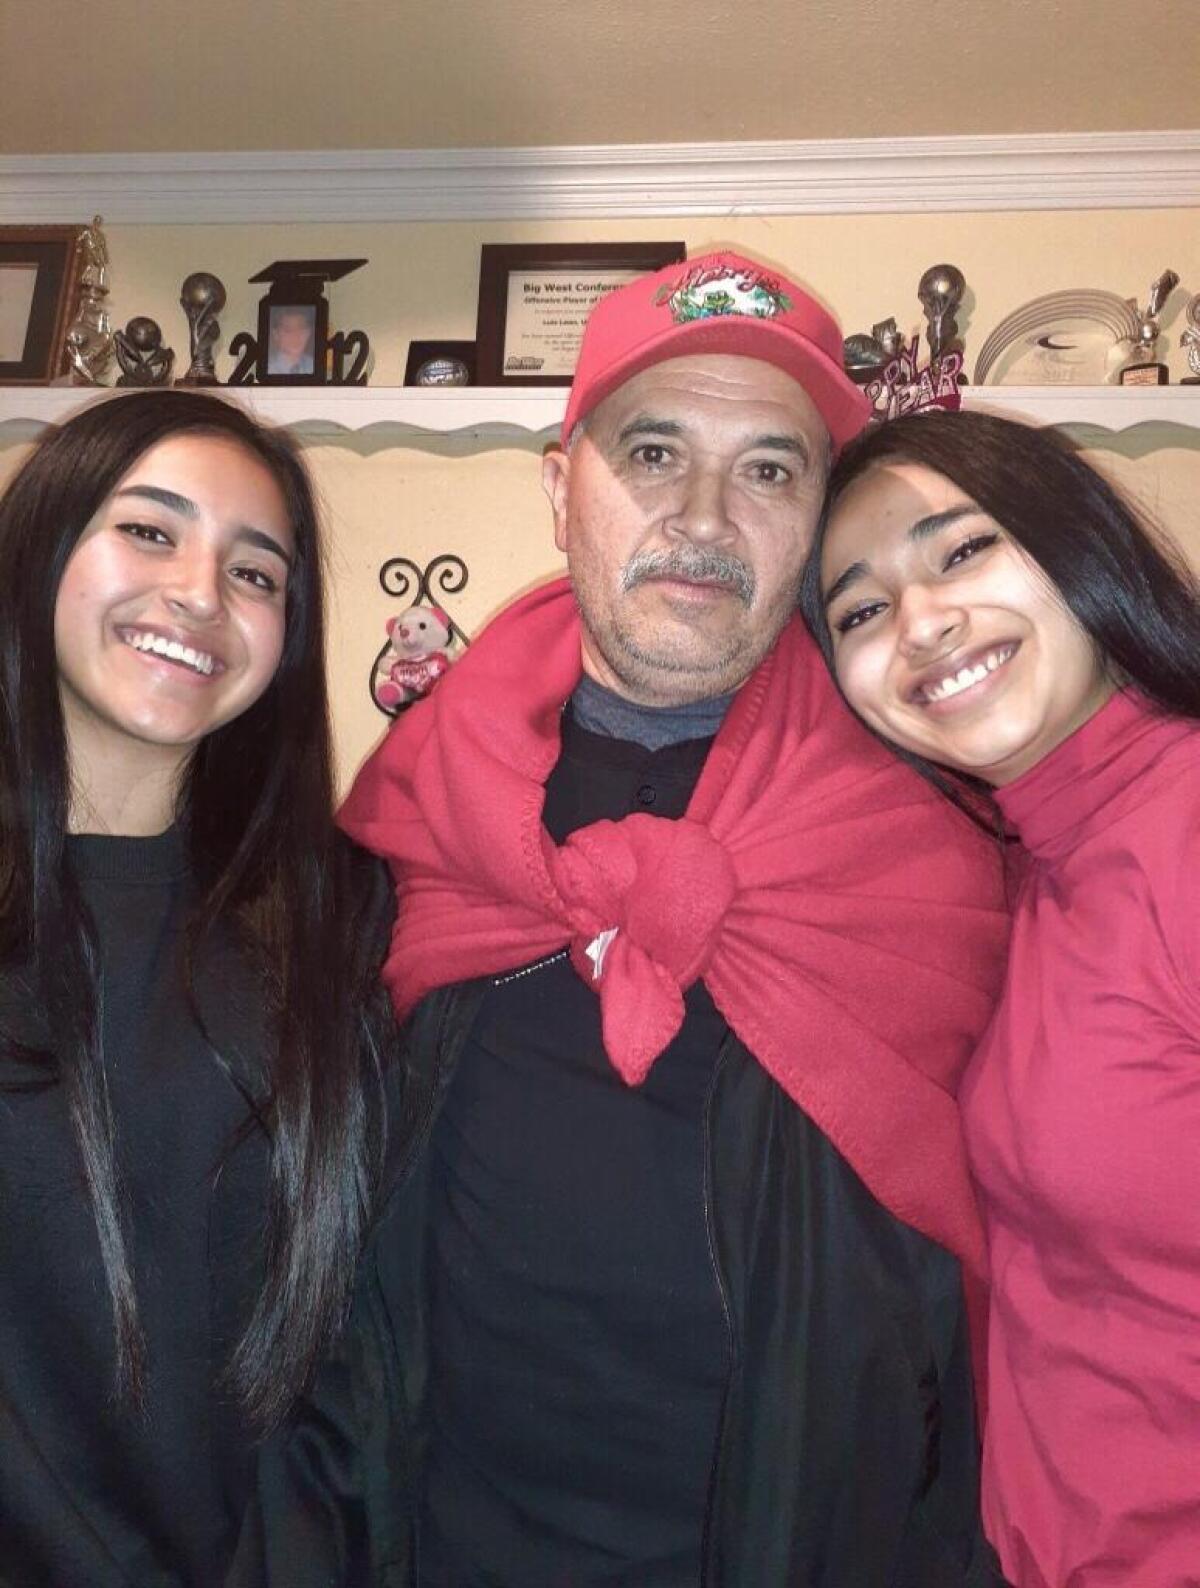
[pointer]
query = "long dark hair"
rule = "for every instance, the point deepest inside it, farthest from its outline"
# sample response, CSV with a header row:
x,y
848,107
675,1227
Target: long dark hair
x,y
1130,592
256,803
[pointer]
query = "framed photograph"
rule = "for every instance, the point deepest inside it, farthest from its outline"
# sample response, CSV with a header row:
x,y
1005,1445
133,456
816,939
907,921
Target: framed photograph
x,y
534,300
440,364
39,294
292,337
293,345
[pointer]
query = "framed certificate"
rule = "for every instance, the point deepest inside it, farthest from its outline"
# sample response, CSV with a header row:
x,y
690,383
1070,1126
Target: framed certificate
x,y
534,300
39,293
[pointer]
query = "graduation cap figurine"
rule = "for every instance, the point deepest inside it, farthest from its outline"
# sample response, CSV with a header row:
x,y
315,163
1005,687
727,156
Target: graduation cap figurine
x,y
293,346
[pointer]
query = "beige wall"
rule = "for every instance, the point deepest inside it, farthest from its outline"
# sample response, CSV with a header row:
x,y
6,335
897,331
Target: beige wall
x,y
488,508
402,74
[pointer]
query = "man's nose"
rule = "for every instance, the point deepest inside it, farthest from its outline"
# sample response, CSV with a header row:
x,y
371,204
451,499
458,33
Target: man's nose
x,y
702,512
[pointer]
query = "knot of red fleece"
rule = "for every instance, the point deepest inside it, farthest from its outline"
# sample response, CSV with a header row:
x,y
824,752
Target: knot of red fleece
x,y
646,899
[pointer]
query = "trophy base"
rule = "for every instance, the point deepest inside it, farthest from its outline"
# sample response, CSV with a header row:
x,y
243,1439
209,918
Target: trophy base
x,y
197,380
1190,380
1145,375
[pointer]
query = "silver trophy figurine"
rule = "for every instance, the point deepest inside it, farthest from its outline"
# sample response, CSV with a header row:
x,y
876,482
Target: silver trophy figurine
x,y
143,359
941,290
1191,340
1143,369
89,337
890,338
865,357
202,297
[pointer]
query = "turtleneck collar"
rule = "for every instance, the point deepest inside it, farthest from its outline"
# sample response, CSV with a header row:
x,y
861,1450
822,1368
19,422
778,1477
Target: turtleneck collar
x,y
1090,779
601,711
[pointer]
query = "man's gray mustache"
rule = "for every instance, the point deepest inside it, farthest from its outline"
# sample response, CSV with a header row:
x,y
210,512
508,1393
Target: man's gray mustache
x,y
689,562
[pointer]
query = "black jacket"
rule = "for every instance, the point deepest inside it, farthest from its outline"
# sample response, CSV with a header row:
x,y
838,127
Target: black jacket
x,y
847,1452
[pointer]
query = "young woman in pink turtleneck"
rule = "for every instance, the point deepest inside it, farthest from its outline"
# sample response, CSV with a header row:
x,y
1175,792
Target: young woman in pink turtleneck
x,y
990,605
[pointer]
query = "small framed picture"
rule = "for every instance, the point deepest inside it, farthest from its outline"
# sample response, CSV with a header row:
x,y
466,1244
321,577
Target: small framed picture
x,y
39,294
292,339
293,346
534,300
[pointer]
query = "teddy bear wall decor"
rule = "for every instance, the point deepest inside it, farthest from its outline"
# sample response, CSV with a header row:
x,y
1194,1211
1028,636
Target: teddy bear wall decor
x,y
423,639
414,658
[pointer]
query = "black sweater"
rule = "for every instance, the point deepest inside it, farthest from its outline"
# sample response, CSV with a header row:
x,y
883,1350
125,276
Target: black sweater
x,y
91,1493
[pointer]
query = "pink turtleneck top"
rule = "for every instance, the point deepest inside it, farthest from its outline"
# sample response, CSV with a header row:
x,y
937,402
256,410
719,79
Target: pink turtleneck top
x,y
1082,1112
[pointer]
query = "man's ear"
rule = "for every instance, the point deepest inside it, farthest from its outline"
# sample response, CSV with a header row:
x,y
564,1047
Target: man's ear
x,y
556,478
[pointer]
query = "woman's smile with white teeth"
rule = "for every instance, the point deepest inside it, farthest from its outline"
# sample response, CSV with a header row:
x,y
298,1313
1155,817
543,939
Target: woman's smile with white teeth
x,y
955,683
171,650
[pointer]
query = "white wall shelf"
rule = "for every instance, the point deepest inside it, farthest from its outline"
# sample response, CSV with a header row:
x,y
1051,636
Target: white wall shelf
x,y
471,419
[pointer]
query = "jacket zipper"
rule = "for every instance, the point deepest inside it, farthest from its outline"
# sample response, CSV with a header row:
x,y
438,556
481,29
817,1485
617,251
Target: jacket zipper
x,y
726,1308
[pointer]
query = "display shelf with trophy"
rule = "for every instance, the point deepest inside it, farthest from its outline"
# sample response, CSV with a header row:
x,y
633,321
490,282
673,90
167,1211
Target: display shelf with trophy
x,y
461,419
1079,337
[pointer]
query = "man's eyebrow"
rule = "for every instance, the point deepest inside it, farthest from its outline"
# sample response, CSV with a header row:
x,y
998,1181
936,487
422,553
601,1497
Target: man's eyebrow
x,y
793,445
246,534
923,529
648,425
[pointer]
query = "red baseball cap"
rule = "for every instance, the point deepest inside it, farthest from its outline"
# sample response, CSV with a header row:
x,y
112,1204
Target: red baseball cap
x,y
719,303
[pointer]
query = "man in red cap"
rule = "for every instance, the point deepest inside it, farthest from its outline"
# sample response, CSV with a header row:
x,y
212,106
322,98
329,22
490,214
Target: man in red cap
x,y
671,1290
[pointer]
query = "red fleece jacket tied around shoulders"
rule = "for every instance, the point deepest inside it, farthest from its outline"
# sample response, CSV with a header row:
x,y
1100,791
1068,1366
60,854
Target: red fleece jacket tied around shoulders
x,y
848,922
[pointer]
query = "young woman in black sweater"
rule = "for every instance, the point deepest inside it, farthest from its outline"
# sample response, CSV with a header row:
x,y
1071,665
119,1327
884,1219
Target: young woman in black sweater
x,y
192,1045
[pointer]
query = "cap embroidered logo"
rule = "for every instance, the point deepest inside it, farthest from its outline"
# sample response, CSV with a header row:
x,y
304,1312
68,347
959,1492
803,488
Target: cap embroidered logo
x,y
706,292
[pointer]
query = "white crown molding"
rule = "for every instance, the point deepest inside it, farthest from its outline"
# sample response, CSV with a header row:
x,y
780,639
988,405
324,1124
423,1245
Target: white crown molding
x,y
1103,170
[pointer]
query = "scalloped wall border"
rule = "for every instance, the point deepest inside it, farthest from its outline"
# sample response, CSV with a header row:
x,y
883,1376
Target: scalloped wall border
x,y
1102,170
